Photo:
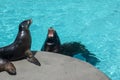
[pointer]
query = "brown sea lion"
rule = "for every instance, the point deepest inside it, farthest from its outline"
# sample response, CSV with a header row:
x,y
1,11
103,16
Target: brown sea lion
x,y
20,48
72,49
52,42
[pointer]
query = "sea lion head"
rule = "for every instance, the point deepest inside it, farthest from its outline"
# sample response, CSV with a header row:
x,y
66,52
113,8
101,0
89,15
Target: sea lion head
x,y
52,43
51,36
6,65
25,24
52,33
10,68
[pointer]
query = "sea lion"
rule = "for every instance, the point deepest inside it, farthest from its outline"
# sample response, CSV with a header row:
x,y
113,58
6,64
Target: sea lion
x,y
20,48
73,48
52,42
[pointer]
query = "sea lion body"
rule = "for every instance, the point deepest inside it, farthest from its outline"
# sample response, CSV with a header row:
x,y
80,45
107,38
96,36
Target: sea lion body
x,y
52,42
17,49
20,48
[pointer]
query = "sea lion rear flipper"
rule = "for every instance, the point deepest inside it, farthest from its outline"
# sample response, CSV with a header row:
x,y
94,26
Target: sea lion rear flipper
x,y
31,58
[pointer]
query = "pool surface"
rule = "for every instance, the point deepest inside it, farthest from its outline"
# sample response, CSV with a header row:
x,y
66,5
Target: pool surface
x,y
96,24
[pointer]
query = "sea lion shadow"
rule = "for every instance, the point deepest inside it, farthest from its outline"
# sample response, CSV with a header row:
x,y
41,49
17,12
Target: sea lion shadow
x,y
75,48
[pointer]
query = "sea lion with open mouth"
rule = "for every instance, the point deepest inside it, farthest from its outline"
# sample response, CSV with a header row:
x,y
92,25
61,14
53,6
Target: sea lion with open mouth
x,y
52,42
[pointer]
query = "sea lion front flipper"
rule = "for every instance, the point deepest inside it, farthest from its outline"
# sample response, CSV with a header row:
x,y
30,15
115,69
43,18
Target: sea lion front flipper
x,y
31,58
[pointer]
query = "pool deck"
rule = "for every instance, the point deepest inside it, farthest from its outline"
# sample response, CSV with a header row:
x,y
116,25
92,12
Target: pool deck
x,y
54,67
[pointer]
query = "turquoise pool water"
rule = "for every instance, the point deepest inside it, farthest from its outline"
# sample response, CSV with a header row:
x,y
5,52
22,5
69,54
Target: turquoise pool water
x,y
95,23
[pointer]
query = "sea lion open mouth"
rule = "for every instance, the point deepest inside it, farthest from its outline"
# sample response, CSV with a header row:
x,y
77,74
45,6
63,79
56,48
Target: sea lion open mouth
x,y
50,32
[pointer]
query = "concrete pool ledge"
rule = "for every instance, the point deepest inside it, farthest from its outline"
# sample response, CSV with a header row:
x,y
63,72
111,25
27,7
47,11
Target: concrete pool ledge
x,y
54,67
